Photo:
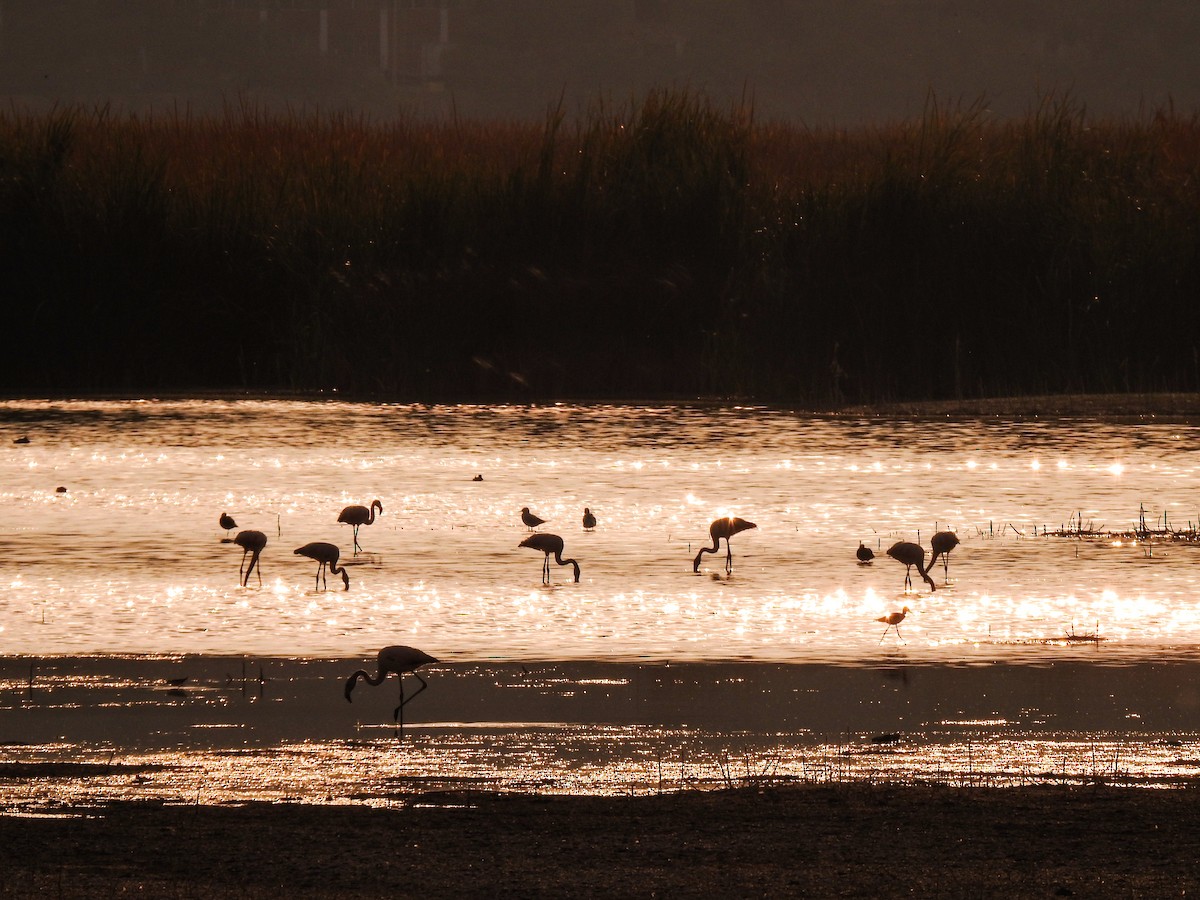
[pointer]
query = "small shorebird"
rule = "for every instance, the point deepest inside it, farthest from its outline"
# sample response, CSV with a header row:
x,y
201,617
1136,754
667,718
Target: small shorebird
x,y
327,557
864,553
589,521
398,659
226,522
911,555
359,516
549,543
723,528
251,542
942,543
893,620
531,521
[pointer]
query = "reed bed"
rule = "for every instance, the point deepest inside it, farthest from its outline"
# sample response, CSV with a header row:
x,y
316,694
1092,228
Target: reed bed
x,y
658,248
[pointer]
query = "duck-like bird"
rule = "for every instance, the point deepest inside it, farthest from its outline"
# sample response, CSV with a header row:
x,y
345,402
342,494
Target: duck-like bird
x,y
531,521
864,553
589,521
549,543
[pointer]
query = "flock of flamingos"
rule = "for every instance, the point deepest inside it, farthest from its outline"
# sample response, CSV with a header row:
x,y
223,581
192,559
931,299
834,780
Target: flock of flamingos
x,y
402,660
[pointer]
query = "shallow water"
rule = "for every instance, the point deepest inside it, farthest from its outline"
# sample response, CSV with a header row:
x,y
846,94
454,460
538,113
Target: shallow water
x,y
129,559
579,687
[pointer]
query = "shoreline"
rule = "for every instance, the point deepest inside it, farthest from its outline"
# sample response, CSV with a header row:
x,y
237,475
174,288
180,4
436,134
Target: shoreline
x,y
845,840
1137,404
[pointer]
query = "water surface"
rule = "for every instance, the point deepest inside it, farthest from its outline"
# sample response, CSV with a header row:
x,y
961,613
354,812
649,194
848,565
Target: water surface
x,y
129,559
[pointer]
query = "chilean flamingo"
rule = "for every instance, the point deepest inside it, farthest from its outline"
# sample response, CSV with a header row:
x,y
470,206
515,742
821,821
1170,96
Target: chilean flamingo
x,y
942,543
359,516
251,542
398,659
911,555
549,543
327,556
723,528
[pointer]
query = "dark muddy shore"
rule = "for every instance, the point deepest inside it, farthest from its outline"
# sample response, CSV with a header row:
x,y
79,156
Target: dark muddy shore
x,y
840,840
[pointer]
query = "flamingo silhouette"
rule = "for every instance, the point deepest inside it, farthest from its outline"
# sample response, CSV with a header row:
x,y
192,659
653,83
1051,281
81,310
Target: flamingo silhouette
x,y
398,659
530,520
911,555
327,555
251,542
723,528
864,553
589,521
226,522
359,516
893,621
942,543
549,543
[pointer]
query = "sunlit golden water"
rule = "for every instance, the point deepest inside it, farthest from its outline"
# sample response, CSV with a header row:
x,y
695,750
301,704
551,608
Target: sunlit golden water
x,y
130,560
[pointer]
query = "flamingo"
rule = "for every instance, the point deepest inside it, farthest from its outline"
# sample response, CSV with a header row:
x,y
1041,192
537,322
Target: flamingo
x,y
723,528
942,543
327,555
530,520
398,659
226,522
911,555
549,543
893,621
864,553
359,516
589,521
251,542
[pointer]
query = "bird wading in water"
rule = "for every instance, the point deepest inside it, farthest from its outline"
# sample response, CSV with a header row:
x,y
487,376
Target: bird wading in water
x,y
549,543
327,556
723,528
251,542
911,555
359,516
398,659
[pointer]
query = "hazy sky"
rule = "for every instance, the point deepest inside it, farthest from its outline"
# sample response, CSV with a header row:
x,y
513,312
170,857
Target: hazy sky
x,y
820,61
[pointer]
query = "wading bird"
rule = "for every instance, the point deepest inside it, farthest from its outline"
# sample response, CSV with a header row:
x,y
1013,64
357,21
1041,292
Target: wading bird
x,y
327,555
531,521
251,542
589,521
942,543
396,659
359,516
723,528
549,543
226,522
864,553
911,555
893,621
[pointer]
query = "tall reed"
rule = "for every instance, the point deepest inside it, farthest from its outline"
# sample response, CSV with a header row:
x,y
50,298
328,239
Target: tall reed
x,y
658,247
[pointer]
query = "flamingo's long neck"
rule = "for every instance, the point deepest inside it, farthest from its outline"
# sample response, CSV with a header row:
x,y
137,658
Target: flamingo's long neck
x,y
371,517
566,562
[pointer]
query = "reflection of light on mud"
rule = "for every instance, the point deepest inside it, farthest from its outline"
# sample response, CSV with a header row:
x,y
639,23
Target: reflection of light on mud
x,y
603,760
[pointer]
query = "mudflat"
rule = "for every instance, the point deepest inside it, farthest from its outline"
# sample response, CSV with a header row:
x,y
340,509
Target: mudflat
x,y
856,840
